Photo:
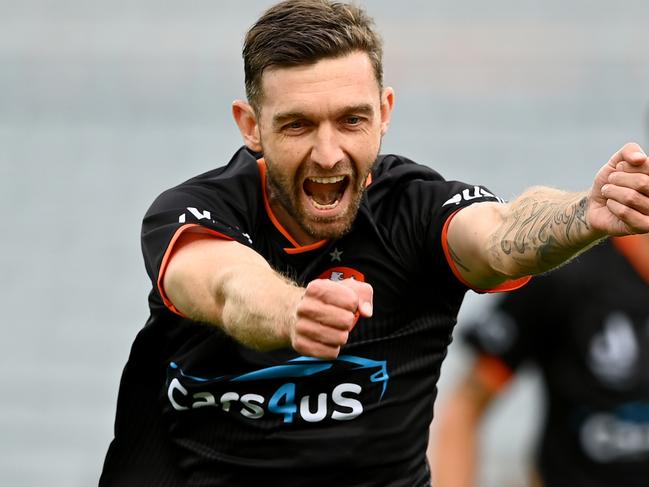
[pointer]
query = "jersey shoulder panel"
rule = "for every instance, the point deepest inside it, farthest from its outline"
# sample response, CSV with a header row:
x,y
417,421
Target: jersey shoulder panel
x,y
224,202
230,191
411,202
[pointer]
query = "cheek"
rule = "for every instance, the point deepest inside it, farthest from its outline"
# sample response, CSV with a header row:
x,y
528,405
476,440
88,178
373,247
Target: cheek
x,y
365,155
283,171
286,157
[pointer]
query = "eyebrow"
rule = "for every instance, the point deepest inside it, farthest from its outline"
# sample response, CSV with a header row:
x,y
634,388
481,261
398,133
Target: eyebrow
x,y
361,109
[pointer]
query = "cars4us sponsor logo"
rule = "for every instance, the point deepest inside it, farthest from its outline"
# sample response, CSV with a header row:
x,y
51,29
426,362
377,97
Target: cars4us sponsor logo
x,y
303,389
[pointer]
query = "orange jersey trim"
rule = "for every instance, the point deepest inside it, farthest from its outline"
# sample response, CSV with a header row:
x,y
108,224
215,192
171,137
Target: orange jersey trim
x,y
305,248
190,227
492,372
505,286
635,248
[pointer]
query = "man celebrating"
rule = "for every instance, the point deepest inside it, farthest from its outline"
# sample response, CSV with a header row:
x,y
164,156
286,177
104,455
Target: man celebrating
x,y
304,294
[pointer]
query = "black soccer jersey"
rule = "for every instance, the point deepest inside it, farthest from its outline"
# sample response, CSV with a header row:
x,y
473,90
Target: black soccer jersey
x,y
217,413
586,326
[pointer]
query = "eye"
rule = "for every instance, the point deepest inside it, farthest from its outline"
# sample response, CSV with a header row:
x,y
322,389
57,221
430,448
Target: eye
x,y
294,127
353,120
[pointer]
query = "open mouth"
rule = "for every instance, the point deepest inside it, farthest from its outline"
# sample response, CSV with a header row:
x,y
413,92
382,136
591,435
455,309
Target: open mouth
x,y
325,193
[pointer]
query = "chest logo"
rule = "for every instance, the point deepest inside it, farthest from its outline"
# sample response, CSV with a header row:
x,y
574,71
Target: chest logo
x,y
467,195
340,273
302,390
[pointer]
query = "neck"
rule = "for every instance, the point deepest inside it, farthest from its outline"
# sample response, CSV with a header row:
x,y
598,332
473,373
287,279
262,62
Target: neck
x,y
294,229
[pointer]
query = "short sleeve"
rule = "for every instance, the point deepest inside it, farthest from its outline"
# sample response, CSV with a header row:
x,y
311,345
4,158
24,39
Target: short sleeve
x,y
448,197
189,208
414,203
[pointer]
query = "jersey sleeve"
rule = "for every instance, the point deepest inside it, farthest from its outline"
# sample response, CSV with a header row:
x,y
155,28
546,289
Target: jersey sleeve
x,y
424,210
181,210
449,198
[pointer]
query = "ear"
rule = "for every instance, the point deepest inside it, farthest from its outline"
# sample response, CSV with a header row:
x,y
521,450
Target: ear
x,y
246,120
387,104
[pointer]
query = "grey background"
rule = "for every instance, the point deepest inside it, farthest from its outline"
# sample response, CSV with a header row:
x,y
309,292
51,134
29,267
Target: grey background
x,y
104,104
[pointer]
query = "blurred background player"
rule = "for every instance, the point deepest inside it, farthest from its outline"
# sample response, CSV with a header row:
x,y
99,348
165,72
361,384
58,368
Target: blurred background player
x,y
586,328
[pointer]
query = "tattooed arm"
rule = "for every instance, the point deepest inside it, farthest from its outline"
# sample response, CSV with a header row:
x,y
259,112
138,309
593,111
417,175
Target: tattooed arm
x,y
539,230
543,228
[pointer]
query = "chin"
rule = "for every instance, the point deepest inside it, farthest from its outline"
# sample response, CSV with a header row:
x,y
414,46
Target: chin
x,y
329,230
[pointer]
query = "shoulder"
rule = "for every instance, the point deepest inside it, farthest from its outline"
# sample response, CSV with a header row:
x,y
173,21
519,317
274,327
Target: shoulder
x,y
395,178
392,168
241,170
237,182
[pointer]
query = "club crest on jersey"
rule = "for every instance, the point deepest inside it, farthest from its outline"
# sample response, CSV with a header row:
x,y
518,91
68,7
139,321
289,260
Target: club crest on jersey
x,y
340,273
303,390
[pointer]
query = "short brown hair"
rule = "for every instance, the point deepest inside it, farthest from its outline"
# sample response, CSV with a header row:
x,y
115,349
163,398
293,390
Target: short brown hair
x,y
302,32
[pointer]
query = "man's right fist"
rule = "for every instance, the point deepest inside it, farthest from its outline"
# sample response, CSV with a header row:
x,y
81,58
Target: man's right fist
x,y
327,314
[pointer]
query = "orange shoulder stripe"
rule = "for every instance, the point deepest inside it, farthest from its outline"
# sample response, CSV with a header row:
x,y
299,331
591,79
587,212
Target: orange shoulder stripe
x,y
190,227
505,286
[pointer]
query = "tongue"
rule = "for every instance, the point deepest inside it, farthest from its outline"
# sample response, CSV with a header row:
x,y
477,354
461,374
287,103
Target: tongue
x,y
323,194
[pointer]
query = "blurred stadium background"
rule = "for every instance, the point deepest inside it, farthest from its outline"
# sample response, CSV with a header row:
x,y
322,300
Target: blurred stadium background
x,y
104,104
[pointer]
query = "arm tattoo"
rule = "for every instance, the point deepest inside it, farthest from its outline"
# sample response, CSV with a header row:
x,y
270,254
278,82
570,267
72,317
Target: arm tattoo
x,y
457,260
542,233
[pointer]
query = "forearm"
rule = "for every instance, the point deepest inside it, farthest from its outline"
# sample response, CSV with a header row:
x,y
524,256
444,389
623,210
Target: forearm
x,y
258,309
230,286
540,230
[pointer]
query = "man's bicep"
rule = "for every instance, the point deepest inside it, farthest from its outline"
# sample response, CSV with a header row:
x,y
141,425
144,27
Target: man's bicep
x,y
192,279
468,247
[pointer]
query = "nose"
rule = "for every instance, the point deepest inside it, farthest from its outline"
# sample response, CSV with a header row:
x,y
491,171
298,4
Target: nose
x,y
327,150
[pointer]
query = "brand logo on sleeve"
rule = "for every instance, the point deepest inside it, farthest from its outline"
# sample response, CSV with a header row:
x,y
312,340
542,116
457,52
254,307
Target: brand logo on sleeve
x,y
467,195
199,215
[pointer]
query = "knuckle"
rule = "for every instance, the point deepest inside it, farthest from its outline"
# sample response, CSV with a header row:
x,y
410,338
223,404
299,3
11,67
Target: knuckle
x,y
298,343
348,320
644,184
328,354
314,288
623,212
300,327
344,336
633,198
305,307
636,199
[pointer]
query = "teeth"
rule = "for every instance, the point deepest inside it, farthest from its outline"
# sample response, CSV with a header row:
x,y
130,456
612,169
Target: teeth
x,y
324,207
331,180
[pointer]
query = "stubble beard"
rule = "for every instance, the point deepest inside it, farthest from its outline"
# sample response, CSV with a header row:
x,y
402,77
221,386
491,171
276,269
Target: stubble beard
x,y
287,193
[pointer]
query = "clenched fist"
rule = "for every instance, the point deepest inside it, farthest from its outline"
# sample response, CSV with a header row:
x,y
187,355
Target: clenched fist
x,y
327,314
